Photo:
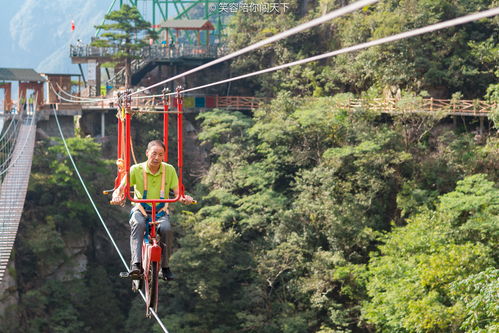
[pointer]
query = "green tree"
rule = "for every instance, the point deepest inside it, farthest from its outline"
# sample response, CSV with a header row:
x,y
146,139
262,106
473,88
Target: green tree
x,y
292,206
126,35
420,282
462,58
287,213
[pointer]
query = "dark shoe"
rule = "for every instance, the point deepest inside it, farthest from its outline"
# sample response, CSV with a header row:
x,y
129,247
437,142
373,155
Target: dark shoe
x,y
166,274
136,269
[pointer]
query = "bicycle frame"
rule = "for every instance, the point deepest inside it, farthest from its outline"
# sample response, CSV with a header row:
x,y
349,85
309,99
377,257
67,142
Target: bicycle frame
x,y
151,263
180,162
151,250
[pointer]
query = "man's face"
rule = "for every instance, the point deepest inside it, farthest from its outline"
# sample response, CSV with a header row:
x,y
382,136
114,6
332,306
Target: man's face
x,y
155,156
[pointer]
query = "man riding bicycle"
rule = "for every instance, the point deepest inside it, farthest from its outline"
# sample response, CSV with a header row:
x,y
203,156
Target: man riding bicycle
x,y
152,179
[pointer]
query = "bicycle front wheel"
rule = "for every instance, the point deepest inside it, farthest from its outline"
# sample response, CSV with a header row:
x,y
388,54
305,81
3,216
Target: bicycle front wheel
x,y
152,288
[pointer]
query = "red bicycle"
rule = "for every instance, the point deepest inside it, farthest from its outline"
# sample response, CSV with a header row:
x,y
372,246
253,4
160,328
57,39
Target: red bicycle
x,y
151,250
151,263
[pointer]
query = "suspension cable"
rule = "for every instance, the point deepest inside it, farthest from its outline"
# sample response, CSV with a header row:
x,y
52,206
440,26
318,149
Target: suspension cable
x,y
304,26
100,217
8,127
8,159
86,190
7,141
396,37
76,101
327,17
89,99
403,35
11,163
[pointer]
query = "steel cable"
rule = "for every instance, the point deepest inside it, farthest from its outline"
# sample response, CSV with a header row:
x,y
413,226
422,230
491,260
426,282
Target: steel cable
x,y
396,37
24,145
403,35
304,26
100,217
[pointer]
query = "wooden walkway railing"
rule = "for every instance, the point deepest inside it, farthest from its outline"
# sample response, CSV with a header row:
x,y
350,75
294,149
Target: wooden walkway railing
x,y
447,106
384,105
239,102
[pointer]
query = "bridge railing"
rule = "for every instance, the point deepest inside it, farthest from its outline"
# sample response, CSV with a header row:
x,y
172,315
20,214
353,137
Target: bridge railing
x,y
150,53
239,102
385,105
160,51
222,102
14,177
451,106
85,50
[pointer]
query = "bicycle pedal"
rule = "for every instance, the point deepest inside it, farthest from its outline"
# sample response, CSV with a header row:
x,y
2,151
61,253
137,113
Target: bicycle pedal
x,y
136,276
127,275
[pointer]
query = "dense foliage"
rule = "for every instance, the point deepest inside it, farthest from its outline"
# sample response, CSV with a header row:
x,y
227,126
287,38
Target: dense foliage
x,y
299,199
461,59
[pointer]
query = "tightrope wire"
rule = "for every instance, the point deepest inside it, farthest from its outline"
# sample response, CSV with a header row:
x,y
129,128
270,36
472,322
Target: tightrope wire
x,y
100,217
299,28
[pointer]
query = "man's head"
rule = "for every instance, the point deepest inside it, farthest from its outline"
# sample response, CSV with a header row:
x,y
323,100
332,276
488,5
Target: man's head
x,y
155,153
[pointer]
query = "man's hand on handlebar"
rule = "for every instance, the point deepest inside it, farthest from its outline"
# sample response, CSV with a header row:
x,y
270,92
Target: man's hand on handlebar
x,y
187,200
118,197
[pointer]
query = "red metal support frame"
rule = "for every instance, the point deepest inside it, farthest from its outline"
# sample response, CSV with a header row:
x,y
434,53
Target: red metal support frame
x,y
119,158
120,135
127,154
180,104
166,102
128,117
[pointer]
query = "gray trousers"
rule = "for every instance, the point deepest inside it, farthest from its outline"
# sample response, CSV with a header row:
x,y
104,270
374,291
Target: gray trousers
x,y
138,228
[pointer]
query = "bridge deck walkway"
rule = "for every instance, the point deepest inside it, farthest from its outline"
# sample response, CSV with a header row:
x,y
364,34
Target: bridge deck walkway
x,y
13,192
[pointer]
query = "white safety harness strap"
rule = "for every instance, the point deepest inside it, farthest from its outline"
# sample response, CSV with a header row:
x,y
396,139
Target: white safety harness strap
x,y
161,193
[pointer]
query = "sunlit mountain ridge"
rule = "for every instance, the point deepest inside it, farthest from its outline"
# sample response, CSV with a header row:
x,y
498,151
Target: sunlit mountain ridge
x,y
37,34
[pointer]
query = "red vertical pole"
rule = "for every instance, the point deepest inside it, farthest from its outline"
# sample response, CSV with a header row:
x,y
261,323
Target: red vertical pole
x,y
120,150
127,152
179,142
120,136
165,123
128,144
152,232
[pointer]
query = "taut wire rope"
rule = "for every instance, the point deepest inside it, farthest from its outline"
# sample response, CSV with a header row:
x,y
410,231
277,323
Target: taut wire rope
x,y
307,25
396,37
8,159
304,26
100,217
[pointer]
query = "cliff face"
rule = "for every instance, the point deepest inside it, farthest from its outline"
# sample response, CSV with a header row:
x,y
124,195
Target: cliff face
x,y
9,295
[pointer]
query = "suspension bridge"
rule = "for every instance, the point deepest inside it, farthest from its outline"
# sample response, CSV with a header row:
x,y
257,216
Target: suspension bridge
x,y
17,144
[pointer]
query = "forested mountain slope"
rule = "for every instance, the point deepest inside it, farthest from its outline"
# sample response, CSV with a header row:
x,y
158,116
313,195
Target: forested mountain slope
x,y
317,220
461,59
